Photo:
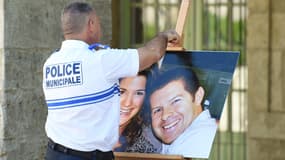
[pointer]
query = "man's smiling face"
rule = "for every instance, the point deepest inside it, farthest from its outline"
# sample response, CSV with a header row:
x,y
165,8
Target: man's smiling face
x,y
173,110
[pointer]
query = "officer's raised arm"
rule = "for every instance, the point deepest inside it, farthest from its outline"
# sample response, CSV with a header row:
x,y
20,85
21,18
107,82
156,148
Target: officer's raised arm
x,y
153,50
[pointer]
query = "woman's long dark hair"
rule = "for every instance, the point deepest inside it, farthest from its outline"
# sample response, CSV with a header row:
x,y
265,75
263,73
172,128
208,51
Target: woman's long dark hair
x,y
134,129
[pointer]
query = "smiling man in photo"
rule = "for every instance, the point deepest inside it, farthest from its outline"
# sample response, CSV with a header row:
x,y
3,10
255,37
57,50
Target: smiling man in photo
x,y
178,118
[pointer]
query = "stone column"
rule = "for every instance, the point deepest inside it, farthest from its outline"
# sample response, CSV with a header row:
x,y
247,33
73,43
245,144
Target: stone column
x,y
29,32
266,91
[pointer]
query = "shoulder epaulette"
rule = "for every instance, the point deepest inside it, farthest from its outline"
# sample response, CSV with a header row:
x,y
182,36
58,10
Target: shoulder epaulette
x,y
98,46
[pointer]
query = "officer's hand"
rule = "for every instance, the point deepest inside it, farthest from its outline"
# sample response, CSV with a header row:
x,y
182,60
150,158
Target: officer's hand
x,y
173,38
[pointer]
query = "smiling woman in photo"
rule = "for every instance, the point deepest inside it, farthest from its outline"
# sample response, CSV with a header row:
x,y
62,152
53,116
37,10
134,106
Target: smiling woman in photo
x,y
135,136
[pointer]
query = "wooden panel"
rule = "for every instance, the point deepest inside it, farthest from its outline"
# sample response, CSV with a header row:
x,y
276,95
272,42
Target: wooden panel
x,y
146,156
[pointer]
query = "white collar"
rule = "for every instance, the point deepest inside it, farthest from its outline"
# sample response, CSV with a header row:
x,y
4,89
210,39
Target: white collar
x,y
74,44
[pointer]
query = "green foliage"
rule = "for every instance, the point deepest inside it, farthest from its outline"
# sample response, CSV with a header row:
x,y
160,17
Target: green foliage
x,y
149,32
222,34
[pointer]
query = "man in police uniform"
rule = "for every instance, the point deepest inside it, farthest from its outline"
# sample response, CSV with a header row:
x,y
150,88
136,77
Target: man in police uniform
x,y
81,86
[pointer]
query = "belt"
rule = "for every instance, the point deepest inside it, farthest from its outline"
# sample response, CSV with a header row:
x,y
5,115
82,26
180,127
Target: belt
x,y
100,155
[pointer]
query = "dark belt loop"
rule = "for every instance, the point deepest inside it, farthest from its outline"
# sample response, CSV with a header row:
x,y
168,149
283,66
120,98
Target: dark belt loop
x,y
52,146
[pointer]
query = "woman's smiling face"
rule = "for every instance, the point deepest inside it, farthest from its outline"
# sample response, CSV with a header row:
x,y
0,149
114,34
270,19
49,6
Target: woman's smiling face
x,y
132,90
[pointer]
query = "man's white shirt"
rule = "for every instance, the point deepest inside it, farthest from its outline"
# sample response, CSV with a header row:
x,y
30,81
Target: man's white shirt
x,y
196,141
82,94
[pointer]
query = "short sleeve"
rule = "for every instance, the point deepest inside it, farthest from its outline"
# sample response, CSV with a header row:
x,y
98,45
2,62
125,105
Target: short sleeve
x,y
118,63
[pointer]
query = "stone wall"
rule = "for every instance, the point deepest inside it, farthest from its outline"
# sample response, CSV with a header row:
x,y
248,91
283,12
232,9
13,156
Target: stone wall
x,y
266,92
29,32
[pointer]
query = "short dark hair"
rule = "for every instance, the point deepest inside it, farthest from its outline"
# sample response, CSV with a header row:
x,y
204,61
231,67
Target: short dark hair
x,y
78,7
74,16
162,77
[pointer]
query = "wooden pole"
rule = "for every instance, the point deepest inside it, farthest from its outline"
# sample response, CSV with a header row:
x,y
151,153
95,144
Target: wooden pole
x,y
183,12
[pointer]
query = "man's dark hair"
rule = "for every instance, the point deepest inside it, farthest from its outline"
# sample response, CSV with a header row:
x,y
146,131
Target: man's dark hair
x,y
162,77
74,16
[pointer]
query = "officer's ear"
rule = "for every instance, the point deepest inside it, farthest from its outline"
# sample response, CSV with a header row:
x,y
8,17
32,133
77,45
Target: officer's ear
x,y
92,19
199,95
90,24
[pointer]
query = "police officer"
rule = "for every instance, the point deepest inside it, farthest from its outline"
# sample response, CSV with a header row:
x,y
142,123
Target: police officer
x,y
81,86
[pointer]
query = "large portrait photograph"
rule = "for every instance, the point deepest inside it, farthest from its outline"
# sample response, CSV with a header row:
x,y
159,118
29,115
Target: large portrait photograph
x,y
174,107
